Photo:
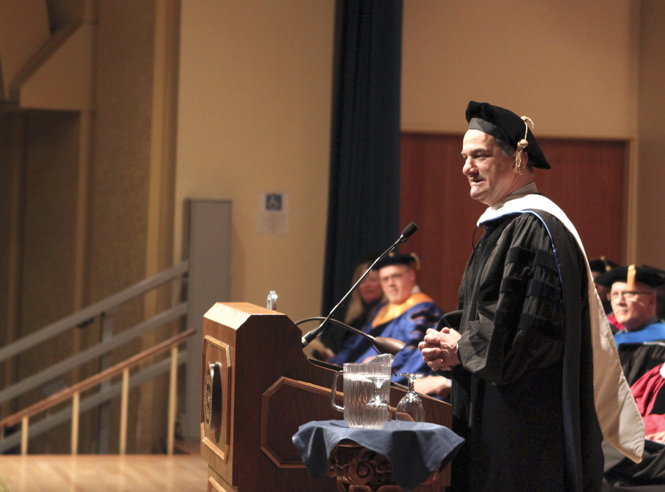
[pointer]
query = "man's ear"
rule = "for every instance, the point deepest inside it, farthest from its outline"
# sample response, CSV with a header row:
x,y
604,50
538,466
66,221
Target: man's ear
x,y
653,299
412,274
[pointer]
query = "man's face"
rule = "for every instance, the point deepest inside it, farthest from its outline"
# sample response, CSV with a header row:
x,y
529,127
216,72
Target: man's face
x,y
491,175
634,309
397,282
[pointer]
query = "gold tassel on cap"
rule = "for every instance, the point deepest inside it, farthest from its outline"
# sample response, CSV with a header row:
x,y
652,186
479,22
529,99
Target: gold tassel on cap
x,y
522,144
417,260
630,281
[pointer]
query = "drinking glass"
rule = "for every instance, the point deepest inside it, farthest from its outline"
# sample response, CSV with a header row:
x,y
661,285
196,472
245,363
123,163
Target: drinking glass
x,y
410,407
377,410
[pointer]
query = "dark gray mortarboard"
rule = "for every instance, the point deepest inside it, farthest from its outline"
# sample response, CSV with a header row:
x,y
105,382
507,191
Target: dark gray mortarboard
x,y
601,265
631,274
506,126
399,259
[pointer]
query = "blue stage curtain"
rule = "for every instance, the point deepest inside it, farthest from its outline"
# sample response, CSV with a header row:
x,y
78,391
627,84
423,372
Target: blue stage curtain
x,y
363,207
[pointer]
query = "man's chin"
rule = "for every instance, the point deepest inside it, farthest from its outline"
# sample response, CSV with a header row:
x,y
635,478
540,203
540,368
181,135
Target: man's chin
x,y
477,195
626,323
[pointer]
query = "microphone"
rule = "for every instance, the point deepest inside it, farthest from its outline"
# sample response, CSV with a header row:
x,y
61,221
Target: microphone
x,y
404,237
408,232
384,345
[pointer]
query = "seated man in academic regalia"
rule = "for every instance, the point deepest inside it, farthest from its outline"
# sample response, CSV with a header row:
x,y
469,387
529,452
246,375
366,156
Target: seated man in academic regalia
x,y
599,266
406,316
622,474
641,342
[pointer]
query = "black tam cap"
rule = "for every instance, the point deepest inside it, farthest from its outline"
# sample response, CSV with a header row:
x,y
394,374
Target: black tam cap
x,y
506,126
399,259
602,265
631,274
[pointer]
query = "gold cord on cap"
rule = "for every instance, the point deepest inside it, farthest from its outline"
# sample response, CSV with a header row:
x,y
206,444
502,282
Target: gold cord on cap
x,y
630,281
522,144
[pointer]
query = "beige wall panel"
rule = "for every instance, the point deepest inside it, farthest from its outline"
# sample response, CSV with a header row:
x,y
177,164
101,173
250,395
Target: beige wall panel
x,y
24,28
11,155
120,171
254,117
47,283
64,80
650,238
50,218
122,144
12,145
569,65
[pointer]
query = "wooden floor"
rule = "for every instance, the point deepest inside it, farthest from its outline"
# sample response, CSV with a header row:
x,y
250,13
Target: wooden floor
x,y
102,473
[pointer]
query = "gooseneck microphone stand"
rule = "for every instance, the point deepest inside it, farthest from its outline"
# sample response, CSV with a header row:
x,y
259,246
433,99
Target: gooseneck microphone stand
x,y
311,335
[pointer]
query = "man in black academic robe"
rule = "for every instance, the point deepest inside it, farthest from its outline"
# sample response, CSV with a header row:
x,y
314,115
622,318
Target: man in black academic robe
x,y
525,356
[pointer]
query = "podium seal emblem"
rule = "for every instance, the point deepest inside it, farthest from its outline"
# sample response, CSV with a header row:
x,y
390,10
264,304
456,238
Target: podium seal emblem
x,y
212,397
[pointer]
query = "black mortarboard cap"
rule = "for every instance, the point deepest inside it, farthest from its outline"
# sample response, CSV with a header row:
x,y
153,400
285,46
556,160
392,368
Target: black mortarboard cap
x,y
505,126
644,275
602,265
399,259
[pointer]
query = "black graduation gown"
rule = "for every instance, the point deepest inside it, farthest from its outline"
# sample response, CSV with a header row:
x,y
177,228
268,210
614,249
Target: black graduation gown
x,y
639,358
523,394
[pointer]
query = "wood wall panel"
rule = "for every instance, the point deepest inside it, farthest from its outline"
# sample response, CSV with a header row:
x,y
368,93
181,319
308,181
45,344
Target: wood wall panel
x,y
586,181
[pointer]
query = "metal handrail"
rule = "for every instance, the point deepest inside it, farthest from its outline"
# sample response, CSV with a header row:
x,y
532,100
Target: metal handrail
x,y
91,353
96,379
105,310
93,310
60,417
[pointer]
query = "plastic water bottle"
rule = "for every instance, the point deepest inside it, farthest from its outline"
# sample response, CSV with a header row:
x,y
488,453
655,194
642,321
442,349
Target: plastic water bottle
x,y
271,303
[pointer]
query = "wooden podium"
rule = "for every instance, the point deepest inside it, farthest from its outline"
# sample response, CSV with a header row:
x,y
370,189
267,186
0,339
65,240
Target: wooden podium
x,y
258,387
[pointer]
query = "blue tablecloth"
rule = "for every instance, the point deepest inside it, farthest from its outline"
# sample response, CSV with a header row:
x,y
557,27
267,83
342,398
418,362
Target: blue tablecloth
x,y
415,449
